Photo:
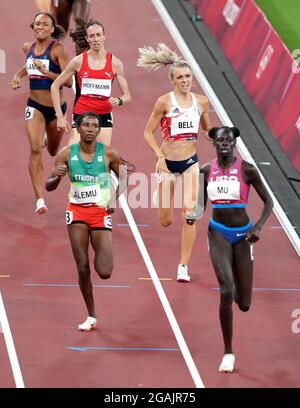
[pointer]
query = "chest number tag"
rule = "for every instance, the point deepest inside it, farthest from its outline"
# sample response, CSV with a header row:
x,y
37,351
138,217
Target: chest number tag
x,y
69,217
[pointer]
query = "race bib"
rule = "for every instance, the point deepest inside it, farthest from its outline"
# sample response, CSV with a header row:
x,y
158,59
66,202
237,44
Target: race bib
x,y
184,123
85,195
107,221
32,69
98,87
29,111
222,190
69,217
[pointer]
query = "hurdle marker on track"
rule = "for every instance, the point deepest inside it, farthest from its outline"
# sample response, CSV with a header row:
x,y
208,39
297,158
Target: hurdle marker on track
x,y
5,329
223,116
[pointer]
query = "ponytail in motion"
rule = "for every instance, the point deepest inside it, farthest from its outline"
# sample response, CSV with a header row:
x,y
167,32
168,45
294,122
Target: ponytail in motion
x,y
79,34
152,60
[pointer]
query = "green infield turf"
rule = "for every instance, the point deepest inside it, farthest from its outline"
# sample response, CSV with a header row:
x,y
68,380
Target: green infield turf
x,y
284,15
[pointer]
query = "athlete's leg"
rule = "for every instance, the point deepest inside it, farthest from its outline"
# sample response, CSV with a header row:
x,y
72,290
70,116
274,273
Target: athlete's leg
x,y
54,137
221,255
166,189
63,14
105,135
79,239
101,241
45,6
81,9
190,185
74,137
35,128
243,274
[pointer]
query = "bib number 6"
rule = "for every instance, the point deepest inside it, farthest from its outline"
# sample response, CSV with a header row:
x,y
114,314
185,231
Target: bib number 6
x,y
29,112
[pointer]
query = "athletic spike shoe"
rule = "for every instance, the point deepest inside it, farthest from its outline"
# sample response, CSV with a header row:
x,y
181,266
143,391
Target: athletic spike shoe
x,y
227,363
88,325
182,274
40,206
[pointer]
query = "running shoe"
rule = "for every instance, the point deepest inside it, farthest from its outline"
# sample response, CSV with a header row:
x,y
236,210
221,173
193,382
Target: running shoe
x,y
227,363
40,206
182,274
88,325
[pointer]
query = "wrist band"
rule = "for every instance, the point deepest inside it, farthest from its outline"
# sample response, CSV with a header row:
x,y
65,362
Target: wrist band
x,y
120,101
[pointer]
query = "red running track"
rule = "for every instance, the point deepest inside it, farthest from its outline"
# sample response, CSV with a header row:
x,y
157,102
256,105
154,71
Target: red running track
x,y
35,250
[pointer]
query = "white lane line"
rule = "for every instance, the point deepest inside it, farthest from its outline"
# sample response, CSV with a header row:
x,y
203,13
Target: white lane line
x,y
5,329
158,287
220,111
161,294
2,62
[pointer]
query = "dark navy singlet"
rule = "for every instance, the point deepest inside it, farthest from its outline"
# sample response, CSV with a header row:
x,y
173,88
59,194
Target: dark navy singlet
x,y
36,78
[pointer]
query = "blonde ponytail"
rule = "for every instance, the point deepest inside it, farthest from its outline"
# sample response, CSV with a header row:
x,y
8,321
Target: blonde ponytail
x,y
152,60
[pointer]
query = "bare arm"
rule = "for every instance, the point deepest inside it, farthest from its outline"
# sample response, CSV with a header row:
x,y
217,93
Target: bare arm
x,y
60,169
205,118
251,176
62,57
63,78
118,69
16,81
159,110
115,165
